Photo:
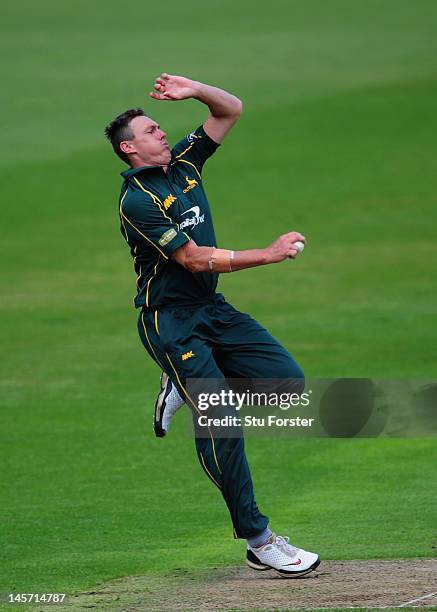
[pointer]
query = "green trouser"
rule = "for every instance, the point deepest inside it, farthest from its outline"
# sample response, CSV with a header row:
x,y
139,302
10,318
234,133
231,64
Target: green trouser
x,y
214,340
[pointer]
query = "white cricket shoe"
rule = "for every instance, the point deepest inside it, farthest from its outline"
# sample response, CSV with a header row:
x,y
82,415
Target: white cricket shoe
x,y
278,554
167,403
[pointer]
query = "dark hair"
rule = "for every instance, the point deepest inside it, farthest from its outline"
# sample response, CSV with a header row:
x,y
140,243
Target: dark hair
x,y
119,130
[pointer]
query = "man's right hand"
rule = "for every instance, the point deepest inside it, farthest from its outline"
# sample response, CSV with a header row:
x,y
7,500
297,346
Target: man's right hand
x,y
284,247
196,258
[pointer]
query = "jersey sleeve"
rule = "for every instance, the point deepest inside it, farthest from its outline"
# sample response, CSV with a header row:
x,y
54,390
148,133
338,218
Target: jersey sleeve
x,y
195,148
144,220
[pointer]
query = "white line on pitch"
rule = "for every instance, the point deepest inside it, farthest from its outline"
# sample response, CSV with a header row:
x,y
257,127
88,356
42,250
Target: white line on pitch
x,y
407,603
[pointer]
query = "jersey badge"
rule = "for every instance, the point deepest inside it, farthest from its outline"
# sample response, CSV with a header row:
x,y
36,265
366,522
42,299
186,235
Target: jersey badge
x,y
192,183
167,236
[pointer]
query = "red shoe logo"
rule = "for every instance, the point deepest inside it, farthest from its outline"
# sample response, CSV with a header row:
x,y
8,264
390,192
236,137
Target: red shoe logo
x,y
298,562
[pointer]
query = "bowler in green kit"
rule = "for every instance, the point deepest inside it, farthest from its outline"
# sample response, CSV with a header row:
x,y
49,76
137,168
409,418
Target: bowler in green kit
x,y
187,328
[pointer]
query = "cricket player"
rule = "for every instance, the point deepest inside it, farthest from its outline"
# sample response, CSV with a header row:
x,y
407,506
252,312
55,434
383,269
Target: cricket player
x,y
187,328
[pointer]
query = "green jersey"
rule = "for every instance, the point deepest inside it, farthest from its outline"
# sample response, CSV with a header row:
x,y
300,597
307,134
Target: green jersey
x,y
159,212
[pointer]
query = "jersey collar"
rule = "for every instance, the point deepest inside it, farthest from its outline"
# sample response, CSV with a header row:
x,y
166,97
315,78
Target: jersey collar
x,y
133,171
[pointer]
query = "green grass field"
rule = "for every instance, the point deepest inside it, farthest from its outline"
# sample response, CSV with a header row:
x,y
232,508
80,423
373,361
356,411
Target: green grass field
x,y
337,140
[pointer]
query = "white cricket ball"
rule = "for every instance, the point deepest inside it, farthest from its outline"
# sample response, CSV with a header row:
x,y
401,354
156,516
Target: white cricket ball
x,y
299,246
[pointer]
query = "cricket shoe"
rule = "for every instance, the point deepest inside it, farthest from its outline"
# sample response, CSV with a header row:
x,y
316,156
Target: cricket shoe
x,y
279,555
167,403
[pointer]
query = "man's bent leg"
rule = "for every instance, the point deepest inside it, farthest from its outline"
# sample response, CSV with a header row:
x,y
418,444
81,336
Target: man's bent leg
x,y
248,350
223,459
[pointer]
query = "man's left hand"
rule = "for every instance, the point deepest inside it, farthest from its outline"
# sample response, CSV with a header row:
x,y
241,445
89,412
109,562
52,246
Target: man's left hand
x,y
171,87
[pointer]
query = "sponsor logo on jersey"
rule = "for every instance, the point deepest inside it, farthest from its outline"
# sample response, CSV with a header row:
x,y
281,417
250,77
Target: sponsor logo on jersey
x,y
169,201
191,222
167,236
192,183
188,355
191,137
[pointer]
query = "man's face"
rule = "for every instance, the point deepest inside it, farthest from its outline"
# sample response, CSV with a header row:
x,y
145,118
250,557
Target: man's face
x,y
149,146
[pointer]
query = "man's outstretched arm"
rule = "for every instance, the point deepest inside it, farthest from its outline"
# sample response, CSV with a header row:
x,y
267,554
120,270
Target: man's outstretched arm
x,y
199,258
225,108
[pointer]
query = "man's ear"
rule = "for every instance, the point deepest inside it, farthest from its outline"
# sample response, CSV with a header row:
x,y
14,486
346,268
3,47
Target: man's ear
x,y
127,147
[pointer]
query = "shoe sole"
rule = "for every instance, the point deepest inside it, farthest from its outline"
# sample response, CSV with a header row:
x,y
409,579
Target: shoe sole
x,y
157,417
258,568
263,568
